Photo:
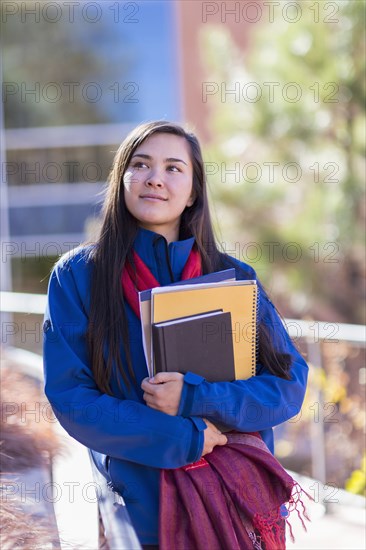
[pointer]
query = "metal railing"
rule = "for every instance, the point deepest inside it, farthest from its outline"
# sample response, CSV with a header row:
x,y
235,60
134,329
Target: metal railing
x,y
313,333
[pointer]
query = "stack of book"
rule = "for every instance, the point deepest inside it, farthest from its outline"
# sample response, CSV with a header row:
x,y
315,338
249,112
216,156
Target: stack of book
x,y
205,325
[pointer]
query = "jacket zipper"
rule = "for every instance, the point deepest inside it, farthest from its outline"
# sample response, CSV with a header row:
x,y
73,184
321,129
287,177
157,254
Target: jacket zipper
x,y
166,257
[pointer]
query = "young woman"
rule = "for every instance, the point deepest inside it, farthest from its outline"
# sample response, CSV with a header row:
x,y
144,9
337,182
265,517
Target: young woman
x,y
156,230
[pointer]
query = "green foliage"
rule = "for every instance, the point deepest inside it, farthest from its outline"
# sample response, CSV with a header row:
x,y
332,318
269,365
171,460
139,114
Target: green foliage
x,y
310,120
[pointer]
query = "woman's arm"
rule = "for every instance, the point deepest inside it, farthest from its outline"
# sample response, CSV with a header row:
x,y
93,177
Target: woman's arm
x,y
258,403
125,429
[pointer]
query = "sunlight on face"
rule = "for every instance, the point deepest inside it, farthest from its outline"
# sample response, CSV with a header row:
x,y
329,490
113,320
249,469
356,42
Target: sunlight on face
x,y
158,183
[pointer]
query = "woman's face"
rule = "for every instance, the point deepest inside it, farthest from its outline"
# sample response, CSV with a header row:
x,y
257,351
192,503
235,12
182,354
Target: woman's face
x,y
158,183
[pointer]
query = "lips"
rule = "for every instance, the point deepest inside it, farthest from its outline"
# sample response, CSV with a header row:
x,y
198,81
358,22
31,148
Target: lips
x,y
151,196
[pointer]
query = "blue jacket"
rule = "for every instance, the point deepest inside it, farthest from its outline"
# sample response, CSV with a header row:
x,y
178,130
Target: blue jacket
x,y
131,440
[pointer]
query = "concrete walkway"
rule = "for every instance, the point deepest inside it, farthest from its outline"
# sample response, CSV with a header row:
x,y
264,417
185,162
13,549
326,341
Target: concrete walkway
x,y
342,526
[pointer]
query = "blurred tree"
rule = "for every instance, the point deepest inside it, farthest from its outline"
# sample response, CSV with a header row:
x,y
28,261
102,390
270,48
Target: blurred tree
x,y
291,112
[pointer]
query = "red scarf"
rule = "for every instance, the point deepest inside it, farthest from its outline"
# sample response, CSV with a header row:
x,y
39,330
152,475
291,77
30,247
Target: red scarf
x,y
134,282
231,498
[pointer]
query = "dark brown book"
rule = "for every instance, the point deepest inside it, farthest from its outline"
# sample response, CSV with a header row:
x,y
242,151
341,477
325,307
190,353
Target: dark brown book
x,y
201,343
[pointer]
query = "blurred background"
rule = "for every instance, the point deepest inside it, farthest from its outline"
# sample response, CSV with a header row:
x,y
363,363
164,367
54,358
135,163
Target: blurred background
x,y
276,93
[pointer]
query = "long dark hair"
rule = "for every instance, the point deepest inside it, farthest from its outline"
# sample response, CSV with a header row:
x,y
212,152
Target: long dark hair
x,y
107,319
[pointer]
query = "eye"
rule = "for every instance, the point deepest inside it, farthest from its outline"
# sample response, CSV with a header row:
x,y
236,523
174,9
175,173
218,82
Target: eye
x,y
173,168
138,164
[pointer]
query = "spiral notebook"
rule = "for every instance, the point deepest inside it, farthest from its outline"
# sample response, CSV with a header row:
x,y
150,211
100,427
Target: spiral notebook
x,y
145,307
240,298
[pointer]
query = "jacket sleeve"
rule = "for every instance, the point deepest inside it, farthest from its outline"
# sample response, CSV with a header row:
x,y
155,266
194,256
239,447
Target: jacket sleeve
x,y
256,404
124,429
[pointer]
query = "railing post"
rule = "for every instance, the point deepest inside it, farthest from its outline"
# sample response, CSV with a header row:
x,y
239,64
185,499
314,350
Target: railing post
x,y
318,454
6,318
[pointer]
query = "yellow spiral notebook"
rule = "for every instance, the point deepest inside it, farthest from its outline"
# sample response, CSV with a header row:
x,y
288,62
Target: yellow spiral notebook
x,y
240,298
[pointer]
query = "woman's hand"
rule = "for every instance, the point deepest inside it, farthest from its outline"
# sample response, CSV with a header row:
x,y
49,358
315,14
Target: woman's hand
x,y
163,391
212,437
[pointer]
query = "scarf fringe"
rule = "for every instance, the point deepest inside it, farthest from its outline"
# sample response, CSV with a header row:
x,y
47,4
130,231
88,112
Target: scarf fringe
x,y
271,533
296,504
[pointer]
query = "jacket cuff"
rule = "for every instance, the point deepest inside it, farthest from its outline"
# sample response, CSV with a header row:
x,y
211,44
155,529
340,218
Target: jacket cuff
x,y
197,441
191,381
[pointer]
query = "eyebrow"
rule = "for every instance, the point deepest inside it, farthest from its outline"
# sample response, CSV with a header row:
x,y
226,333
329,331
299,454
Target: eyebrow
x,y
148,157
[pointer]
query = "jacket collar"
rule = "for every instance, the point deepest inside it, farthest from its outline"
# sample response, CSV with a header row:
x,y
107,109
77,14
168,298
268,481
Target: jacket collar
x,y
165,261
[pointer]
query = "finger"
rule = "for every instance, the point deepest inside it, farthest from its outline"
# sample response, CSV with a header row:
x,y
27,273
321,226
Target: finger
x,y
152,379
162,377
210,425
149,400
223,440
144,383
148,388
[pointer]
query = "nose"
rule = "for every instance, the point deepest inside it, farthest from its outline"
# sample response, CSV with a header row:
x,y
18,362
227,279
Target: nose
x,y
154,179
